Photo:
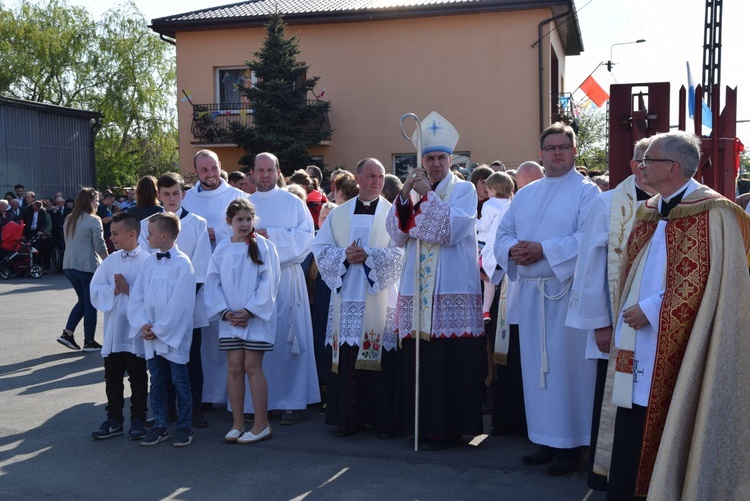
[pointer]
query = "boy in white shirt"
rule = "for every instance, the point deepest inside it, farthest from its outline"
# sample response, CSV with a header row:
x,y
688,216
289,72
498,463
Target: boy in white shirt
x,y
110,291
195,243
161,307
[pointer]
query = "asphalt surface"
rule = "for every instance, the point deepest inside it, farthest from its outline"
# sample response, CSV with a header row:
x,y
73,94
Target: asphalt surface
x,y
52,398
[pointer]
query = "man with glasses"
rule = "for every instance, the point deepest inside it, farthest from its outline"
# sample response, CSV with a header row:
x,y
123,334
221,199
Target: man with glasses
x,y
593,297
680,369
537,245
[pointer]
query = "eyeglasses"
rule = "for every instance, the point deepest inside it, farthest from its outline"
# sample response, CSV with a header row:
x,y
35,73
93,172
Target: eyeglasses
x,y
554,147
646,161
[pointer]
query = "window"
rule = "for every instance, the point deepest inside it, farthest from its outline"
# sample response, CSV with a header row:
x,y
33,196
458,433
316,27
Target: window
x,y
228,84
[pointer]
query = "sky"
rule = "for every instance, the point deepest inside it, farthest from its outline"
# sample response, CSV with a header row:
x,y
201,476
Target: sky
x,y
673,30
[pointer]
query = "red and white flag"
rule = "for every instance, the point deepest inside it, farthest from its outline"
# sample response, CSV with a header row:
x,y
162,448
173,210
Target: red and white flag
x,y
594,91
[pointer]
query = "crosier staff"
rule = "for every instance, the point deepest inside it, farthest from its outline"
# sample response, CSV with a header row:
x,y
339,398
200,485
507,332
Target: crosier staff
x,y
416,310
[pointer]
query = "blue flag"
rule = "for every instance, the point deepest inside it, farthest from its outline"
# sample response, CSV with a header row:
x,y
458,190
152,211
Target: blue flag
x,y
706,116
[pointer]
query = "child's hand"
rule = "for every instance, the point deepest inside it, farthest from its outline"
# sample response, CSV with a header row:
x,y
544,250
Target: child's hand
x,y
147,333
121,285
238,318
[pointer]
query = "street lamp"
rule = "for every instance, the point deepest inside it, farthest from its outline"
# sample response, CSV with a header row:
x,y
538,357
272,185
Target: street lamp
x,y
610,63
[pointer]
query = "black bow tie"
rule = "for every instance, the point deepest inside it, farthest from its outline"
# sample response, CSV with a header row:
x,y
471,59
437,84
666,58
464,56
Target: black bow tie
x,y
128,254
160,255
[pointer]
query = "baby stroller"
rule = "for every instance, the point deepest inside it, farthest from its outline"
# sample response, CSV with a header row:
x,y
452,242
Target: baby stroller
x,y
17,255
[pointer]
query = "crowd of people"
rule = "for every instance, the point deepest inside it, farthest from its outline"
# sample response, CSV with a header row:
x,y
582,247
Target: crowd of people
x,y
577,317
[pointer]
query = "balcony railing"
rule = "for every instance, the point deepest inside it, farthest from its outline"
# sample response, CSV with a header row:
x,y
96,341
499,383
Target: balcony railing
x,y
211,122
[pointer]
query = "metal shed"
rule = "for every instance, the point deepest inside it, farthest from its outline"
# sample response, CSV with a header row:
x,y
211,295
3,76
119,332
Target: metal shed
x,y
46,148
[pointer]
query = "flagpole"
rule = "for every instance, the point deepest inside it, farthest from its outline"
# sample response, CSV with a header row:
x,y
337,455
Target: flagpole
x,y
587,77
416,310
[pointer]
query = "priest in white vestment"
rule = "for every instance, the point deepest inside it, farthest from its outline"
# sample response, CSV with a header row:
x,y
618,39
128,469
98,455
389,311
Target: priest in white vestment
x,y
537,244
434,218
596,282
209,199
290,367
358,262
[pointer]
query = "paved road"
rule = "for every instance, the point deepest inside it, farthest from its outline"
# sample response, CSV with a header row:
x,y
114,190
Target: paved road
x,y
52,398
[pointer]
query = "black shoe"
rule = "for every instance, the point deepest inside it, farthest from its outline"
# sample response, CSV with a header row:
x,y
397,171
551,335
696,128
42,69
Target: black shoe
x,y
543,455
109,428
430,444
137,429
199,421
155,436
343,433
499,431
386,435
565,462
68,341
290,417
90,346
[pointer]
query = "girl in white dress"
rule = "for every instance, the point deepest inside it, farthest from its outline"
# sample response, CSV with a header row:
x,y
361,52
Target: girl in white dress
x,y
241,285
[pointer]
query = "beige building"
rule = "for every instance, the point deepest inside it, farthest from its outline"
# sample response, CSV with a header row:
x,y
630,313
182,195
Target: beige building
x,y
493,68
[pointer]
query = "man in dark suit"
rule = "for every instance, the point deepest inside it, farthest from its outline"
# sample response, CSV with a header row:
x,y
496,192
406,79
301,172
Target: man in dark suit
x,y
58,213
15,209
34,218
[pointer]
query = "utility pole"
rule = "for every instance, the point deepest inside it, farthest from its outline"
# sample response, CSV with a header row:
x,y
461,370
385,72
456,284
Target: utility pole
x,y
712,48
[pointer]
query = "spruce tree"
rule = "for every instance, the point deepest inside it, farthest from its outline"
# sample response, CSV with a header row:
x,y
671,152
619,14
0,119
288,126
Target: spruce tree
x,y
283,122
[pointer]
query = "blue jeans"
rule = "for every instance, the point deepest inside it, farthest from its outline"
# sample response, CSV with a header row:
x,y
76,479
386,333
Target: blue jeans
x,y
83,309
158,367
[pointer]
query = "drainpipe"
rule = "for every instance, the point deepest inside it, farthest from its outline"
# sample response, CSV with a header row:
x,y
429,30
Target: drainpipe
x,y
170,41
541,65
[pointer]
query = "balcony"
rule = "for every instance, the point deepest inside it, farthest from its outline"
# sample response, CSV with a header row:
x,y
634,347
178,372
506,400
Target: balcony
x,y
211,122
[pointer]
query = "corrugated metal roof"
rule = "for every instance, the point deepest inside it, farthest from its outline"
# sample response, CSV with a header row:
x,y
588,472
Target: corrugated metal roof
x,y
255,13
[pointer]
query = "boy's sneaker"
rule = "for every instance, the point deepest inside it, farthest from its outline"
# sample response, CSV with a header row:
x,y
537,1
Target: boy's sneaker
x,y
155,436
182,437
68,341
92,346
137,430
109,428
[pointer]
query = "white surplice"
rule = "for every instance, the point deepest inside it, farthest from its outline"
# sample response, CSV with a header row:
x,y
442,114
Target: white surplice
x,y
550,211
591,293
235,282
383,264
456,302
194,242
212,206
117,329
290,367
164,296
493,211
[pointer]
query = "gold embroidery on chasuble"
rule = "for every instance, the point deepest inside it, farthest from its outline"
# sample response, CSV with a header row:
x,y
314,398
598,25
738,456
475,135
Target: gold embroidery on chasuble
x,y
687,274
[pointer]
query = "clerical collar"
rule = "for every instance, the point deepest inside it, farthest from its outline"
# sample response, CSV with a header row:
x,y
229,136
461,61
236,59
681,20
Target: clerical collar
x,y
667,204
680,192
183,212
367,203
362,207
